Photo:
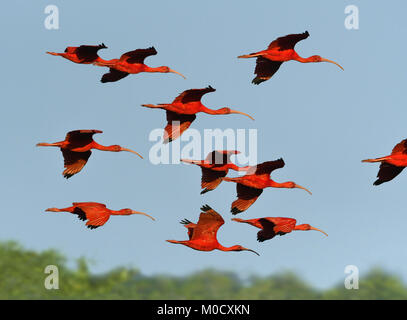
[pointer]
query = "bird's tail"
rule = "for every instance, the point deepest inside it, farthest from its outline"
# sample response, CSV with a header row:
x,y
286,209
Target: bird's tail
x,y
376,159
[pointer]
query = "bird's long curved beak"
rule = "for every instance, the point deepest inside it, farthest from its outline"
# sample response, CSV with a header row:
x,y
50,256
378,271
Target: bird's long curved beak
x,y
316,229
301,187
239,112
142,213
173,71
129,150
330,61
252,251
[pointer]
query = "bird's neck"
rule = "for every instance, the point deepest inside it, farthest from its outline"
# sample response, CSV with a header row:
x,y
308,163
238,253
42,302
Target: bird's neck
x,y
302,227
211,111
98,146
154,69
222,248
272,183
303,60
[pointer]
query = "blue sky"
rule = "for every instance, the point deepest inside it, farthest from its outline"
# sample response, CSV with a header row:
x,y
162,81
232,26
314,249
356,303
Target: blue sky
x,y
320,119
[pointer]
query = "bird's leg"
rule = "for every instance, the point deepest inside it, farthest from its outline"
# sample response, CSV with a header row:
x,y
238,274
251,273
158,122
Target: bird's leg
x,y
68,209
44,144
55,53
251,55
184,242
377,159
151,106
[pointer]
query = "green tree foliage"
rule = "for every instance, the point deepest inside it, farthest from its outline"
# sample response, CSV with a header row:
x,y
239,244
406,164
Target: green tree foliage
x,y
22,277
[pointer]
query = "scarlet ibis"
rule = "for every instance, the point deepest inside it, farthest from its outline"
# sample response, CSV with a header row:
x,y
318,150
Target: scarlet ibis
x,y
131,62
280,50
76,149
182,111
96,213
250,186
202,236
215,167
392,165
83,54
270,227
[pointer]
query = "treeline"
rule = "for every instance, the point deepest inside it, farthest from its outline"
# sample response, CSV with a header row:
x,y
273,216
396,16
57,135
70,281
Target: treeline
x,y
22,277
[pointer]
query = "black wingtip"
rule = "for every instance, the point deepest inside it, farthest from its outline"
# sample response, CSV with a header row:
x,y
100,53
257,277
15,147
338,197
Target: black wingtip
x,y
206,208
102,46
205,191
257,80
377,183
235,210
211,88
185,221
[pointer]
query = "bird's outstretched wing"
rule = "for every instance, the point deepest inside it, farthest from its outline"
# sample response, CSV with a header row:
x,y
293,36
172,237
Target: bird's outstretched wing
x,y
89,53
265,69
275,226
138,56
268,230
79,138
96,213
193,95
74,161
400,147
176,125
266,167
246,196
89,204
218,157
387,172
211,179
190,226
113,75
208,225
288,41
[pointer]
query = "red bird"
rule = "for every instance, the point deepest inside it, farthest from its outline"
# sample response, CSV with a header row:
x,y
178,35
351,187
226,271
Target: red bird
x,y
182,111
96,213
131,62
82,54
202,236
215,167
270,227
280,50
391,165
76,149
250,186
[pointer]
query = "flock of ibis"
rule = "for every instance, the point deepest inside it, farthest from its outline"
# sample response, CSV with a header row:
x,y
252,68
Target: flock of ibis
x,y
180,113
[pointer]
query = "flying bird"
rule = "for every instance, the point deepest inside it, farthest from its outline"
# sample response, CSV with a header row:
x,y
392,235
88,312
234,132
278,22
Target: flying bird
x,y
76,149
270,227
392,165
280,50
250,186
182,111
82,54
202,236
131,62
95,213
215,167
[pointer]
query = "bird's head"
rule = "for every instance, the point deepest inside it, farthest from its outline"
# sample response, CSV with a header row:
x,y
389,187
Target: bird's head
x,y
165,69
230,111
240,248
117,148
128,212
306,227
292,185
317,58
